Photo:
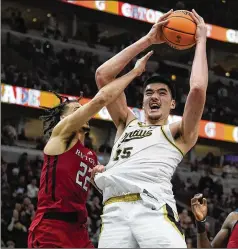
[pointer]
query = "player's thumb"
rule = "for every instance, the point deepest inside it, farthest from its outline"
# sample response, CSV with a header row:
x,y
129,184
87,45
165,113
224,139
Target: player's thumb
x,y
204,201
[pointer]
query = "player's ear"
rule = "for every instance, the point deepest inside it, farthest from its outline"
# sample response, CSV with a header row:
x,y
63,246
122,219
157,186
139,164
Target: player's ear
x,y
173,104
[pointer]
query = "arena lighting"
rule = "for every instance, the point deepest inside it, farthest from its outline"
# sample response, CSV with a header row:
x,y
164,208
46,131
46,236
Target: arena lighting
x,y
227,74
143,14
173,77
48,15
35,98
34,19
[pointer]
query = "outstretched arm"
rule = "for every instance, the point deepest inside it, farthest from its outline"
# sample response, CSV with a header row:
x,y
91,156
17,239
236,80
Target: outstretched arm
x,y
111,68
189,127
105,96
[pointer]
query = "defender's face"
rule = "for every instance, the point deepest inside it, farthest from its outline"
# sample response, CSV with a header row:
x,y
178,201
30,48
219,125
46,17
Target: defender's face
x,y
157,101
71,108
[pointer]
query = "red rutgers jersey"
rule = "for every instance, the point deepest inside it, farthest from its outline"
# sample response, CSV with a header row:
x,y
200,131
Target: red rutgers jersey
x,y
64,183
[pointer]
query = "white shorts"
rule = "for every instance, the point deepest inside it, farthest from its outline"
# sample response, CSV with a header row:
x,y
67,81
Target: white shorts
x,y
132,224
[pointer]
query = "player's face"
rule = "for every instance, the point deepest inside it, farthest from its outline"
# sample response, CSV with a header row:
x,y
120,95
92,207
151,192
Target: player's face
x,y
157,102
71,108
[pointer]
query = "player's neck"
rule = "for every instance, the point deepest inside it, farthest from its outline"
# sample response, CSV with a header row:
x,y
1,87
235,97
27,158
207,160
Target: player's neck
x,y
81,137
156,122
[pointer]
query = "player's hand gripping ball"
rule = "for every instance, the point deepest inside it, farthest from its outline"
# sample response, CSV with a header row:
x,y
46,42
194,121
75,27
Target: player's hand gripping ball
x,y
184,29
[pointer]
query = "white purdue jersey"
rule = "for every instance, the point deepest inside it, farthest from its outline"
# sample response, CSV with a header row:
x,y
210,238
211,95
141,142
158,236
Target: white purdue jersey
x,y
143,161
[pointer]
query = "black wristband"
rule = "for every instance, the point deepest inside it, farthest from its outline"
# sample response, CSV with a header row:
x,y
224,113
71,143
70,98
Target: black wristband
x,y
201,228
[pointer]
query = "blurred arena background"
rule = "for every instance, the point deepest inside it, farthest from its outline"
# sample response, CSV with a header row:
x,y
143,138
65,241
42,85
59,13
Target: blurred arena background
x,y
57,45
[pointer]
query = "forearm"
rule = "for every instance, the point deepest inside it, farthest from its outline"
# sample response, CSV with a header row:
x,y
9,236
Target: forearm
x,y
113,90
111,68
199,73
203,241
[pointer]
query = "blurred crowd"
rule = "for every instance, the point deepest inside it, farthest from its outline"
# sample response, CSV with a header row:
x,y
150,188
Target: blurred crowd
x,y
39,65
43,64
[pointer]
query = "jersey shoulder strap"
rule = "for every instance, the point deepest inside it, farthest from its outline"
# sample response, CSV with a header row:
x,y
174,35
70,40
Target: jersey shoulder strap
x,y
169,137
133,122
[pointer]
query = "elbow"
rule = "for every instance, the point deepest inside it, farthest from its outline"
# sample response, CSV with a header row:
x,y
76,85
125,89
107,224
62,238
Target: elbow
x,y
100,78
198,90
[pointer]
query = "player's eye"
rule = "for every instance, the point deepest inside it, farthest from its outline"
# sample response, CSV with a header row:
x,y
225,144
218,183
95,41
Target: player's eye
x,y
148,93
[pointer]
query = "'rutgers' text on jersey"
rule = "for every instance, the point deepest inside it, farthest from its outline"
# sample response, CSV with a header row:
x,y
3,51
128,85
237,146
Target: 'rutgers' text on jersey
x,y
143,161
65,181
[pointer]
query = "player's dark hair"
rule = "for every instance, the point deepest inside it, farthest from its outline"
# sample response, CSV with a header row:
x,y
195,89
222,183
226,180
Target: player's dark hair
x,y
52,116
163,80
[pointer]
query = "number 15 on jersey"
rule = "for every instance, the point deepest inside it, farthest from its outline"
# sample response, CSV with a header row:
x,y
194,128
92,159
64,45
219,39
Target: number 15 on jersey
x,y
122,153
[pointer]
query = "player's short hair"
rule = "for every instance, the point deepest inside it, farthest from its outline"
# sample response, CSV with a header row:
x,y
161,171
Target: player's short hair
x,y
163,80
52,116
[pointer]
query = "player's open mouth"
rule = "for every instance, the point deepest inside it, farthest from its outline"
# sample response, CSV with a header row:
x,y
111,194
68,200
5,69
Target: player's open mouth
x,y
154,107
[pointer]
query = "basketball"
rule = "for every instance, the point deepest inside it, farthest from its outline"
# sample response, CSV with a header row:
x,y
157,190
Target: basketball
x,y
179,33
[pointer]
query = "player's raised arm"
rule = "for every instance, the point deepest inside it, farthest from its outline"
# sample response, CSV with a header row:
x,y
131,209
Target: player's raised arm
x,y
198,85
111,68
105,96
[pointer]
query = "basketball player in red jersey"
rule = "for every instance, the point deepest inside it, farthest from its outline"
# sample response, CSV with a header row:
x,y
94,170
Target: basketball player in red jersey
x,y
61,215
226,237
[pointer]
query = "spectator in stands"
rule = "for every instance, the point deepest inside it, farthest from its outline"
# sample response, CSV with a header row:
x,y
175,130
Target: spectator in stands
x,y
32,189
9,134
190,186
17,230
233,204
10,244
194,166
52,27
23,163
218,187
209,159
21,187
205,181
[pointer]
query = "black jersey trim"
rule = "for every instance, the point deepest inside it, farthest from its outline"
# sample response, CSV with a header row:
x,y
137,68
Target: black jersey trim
x,y
54,177
47,174
170,217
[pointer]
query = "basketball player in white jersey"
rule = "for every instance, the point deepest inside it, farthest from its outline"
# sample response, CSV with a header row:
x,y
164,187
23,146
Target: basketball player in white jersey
x,y
139,206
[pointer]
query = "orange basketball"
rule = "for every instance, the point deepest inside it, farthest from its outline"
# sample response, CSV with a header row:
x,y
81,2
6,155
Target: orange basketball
x,y
179,33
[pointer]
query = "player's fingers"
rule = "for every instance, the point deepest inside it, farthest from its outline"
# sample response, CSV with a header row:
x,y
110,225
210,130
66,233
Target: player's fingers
x,y
204,201
158,24
146,57
101,169
196,20
195,199
197,16
164,16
